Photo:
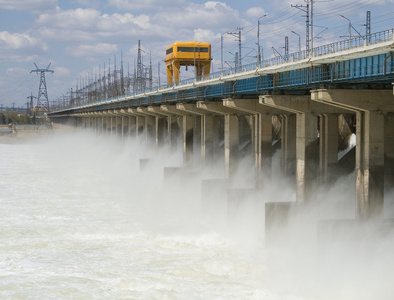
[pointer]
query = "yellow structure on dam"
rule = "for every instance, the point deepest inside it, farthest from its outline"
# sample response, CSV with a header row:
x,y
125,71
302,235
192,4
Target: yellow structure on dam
x,y
197,54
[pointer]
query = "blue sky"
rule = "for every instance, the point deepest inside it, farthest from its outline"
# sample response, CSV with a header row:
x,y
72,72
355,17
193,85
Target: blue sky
x,y
79,36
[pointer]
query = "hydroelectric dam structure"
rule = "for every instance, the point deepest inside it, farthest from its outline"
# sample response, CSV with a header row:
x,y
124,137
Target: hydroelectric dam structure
x,y
304,106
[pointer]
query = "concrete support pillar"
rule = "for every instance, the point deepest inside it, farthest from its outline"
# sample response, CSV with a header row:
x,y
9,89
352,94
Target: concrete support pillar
x,y
210,139
118,126
188,123
288,144
94,123
197,137
110,125
389,149
125,126
261,130
231,133
198,130
369,165
173,132
105,124
370,107
307,155
231,144
161,126
133,126
263,133
83,123
140,128
328,143
101,124
150,128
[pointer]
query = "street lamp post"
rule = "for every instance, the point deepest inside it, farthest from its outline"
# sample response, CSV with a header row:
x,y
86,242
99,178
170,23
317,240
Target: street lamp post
x,y
258,39
350,28
299,41
221,48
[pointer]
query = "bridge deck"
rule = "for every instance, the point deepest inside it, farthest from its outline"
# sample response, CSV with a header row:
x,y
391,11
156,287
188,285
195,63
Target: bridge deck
x,y
360,60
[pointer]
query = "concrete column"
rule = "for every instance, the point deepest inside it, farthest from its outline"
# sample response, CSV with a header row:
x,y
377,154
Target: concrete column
x,y
231,133
118,125
188,122
83,122
210,139
189,126
307,155
328,143
197,136
370,107
198,130
160,130
111,125
389,149
101,124
231,144
140,128
169,129
105,124
125,126
288,144
95,123
150,128
133,126
263,152
173,131
369,165
261,130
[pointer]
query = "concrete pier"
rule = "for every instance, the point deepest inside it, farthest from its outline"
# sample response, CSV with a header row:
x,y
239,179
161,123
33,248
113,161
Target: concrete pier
x,y
373,115
310,129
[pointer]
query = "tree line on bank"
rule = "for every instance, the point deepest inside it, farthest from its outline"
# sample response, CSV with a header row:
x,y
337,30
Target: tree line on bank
x,y
10,117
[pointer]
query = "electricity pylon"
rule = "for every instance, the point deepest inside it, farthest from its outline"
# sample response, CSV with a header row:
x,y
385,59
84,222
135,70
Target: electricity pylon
x,y
30,104
42,99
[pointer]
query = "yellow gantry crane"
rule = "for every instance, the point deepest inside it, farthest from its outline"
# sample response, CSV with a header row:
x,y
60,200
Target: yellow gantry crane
x,y
197,54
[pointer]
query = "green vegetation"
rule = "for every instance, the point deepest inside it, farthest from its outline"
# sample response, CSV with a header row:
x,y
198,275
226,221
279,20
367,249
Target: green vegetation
x,y
7,117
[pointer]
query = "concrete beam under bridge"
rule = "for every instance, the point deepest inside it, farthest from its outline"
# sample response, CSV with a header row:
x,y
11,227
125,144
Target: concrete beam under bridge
x,y
312,155
209,132
374,140
150,123
191,133
140,123
171,132
306,141
155,122
262,130
232,132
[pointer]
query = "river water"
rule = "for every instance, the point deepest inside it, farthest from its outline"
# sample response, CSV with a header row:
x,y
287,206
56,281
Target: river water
x,y
79,220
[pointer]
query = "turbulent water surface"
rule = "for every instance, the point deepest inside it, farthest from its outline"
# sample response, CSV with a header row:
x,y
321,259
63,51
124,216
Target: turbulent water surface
x,y
79,220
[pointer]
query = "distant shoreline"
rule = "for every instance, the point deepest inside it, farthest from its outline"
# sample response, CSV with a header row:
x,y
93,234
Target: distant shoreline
x,y
27,133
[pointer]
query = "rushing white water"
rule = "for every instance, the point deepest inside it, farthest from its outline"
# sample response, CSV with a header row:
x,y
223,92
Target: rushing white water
x,y
79,220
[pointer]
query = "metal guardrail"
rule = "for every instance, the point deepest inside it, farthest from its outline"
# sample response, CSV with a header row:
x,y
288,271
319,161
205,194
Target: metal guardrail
x,y
293,57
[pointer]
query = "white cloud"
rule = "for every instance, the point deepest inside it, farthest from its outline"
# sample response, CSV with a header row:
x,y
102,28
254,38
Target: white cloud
x,y
255,12
19,41
89,25
92,49
16,72
61,71
211,14
204,35
144,5
35,6
70,19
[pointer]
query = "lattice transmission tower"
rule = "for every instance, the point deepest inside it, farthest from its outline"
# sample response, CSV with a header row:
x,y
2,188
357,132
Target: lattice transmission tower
x,y
42,99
